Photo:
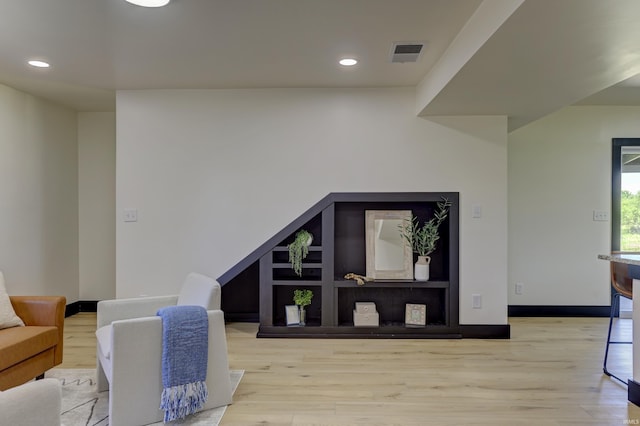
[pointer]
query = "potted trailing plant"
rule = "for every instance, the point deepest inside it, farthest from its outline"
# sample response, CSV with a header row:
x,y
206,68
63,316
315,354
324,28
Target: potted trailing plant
x,y
302,298
422,239
299,249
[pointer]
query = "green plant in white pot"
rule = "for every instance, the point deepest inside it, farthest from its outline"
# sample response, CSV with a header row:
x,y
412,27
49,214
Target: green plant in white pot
x,y
302,298
299,249
423,239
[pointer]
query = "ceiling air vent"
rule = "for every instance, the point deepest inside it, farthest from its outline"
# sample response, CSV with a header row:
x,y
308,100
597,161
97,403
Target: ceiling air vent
x,y
406,52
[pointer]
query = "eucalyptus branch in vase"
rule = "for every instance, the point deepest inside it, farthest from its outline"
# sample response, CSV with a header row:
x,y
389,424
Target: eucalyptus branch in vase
x,y
423,239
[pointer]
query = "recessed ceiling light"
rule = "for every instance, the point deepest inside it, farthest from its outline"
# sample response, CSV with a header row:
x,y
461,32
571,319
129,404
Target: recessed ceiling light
x,y
38,64
348,62
149,3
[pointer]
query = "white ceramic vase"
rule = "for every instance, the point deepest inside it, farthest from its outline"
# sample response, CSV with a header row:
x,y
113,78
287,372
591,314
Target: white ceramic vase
x,y
421,268
303,316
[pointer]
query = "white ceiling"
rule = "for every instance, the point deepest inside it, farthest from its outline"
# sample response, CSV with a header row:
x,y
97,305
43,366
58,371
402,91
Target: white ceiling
x,y
521,58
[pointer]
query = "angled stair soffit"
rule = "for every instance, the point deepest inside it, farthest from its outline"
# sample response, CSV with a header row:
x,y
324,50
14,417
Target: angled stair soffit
x,y
481,26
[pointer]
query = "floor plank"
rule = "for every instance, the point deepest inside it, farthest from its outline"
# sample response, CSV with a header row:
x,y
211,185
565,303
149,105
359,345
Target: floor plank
x,y
548,373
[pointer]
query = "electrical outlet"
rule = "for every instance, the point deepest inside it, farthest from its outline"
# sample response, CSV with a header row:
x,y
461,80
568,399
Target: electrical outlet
x,y
476,301
519,288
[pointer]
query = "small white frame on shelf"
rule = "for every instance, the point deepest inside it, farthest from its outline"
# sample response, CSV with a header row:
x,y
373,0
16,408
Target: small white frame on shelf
x,y
293,314
415,315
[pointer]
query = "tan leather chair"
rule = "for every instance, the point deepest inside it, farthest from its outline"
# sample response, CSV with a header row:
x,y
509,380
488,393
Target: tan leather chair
x,y
27,352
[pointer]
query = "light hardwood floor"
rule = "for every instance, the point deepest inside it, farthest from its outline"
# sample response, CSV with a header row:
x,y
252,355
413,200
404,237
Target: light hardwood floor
x,y
548,373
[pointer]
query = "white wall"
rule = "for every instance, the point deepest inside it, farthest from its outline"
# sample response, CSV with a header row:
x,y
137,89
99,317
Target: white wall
x,y
97,199
559,172
39,196
208,171
216,173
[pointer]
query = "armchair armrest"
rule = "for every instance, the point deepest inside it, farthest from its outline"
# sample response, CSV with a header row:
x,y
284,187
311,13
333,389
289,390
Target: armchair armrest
x,y
136,351
43,311
121,309
33,403
40,310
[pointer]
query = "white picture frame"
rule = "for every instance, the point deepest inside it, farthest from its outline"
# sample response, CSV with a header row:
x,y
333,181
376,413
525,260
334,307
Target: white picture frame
x,y
415,315
293,314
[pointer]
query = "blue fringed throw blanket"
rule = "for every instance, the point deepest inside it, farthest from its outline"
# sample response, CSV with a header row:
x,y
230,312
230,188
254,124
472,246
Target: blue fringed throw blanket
x,y
185,335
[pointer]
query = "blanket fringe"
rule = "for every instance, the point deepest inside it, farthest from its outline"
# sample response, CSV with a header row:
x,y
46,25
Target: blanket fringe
x,y
180,401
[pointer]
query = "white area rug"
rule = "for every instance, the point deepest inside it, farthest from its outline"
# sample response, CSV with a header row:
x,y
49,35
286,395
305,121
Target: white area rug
x,y
83,405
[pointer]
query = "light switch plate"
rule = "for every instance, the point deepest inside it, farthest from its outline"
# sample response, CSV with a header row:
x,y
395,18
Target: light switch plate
x,y
130,215
600,215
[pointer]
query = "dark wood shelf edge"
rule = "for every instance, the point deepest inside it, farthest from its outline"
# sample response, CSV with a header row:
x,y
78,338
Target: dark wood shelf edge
x,y
285,248
391,284
285,265
466,331
316,283
359,332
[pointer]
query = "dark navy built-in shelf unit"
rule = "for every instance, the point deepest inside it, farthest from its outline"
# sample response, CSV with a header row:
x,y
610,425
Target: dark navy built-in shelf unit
x,y
337,223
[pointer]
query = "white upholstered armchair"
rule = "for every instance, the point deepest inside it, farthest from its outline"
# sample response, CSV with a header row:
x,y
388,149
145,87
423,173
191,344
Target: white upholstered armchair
x,y
129,351
33,403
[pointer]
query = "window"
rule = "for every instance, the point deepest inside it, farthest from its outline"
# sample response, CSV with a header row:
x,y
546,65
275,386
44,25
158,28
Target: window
x,y
625,194
625,202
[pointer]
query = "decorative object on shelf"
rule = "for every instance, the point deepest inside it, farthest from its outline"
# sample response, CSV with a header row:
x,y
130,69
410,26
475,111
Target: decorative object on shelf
x,y
415,315
365,315
421,268
299,249
388,256
360,279
302,298
293,314
422,239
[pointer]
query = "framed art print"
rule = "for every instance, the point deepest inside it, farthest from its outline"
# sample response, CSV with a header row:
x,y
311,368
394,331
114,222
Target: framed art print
x,y
415,315
293,315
